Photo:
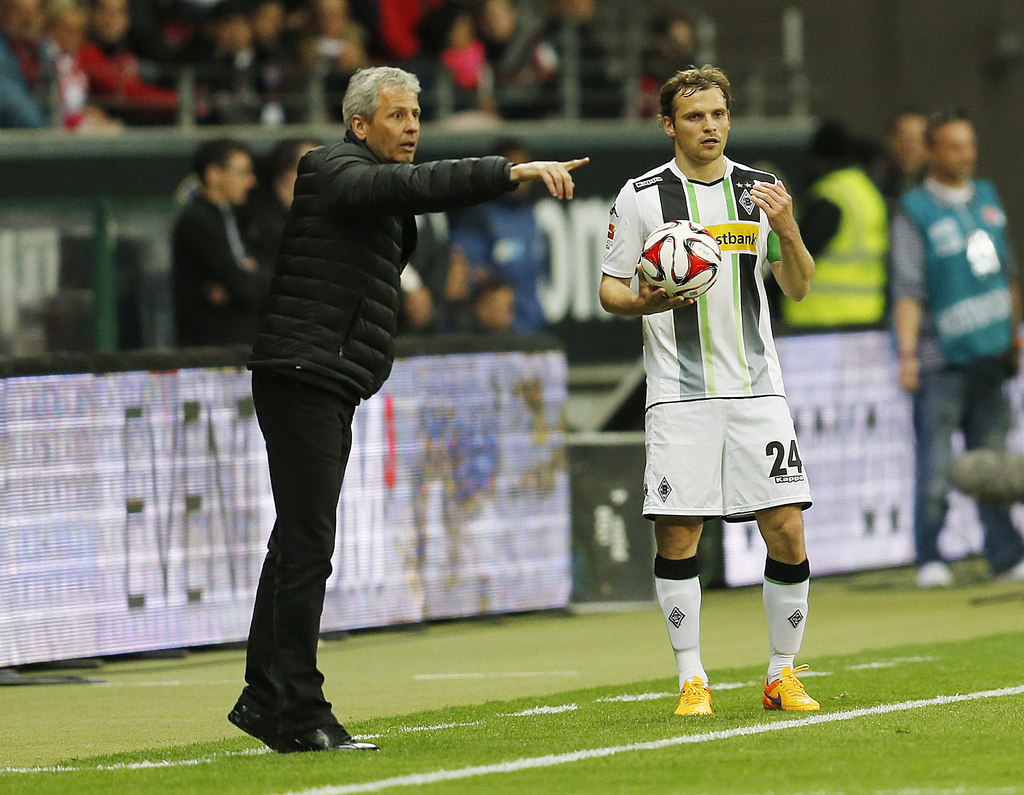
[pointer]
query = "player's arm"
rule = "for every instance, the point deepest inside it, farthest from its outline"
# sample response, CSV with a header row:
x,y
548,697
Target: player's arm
x,y
618,297
795,267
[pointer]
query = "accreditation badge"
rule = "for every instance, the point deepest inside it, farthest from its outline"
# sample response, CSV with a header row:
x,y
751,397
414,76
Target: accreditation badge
x,y
982,254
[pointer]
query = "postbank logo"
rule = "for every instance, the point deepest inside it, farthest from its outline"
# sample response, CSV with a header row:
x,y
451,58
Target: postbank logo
x,y
737,236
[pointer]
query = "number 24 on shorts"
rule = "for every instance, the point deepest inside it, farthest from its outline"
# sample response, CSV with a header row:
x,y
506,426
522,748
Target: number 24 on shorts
x,y
782,464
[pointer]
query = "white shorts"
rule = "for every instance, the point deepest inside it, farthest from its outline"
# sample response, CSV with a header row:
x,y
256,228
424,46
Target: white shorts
x,y
724,457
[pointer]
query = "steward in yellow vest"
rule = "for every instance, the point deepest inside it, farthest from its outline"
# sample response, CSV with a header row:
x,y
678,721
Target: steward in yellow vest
x,y
850,272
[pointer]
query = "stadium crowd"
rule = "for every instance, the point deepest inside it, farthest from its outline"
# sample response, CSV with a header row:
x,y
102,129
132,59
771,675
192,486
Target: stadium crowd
x,y
97,65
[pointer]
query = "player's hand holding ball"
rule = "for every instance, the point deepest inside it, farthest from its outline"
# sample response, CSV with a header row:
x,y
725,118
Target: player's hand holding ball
x,y
680,261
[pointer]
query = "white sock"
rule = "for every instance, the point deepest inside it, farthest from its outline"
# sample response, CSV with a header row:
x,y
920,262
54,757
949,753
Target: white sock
x,y
785,605
680,604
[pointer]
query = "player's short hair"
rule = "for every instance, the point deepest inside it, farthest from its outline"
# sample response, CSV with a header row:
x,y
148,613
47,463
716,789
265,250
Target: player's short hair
x,y
941,119
689,82
216,153
362,95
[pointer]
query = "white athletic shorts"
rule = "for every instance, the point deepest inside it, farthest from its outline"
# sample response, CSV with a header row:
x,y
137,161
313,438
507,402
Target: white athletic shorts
x,y
725,457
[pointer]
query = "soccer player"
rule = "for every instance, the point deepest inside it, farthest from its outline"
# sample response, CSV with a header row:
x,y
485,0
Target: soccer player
x,y
720,439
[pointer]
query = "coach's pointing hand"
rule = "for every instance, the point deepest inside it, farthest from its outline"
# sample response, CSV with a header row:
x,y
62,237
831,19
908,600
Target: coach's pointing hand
x,y
552,173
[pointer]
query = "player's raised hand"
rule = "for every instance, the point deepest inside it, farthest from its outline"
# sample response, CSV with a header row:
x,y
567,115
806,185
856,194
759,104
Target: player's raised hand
x,y
655,299
777,204
553,173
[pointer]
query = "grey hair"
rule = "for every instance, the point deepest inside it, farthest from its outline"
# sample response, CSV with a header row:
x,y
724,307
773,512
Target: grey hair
x,y
361,96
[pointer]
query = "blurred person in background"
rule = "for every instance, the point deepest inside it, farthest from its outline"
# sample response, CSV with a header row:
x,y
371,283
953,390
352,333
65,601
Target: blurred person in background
x,y
332,49
64,38
325,344
845,226
465,60
502,239
216,284
227,80
671,40
22,100
524,66
902,164
572,30
265,212
114,72
957,319
492,307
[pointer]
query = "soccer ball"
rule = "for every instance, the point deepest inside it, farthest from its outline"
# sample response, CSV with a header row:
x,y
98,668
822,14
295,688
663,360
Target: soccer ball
x,y
682,257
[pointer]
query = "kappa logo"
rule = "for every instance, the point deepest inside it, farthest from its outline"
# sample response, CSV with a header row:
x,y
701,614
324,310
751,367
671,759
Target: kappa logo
x,y
796,618
646,183
676,617
747,202
664,489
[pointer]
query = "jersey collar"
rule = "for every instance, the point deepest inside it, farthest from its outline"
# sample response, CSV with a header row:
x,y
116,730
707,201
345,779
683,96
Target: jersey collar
x,y
674,167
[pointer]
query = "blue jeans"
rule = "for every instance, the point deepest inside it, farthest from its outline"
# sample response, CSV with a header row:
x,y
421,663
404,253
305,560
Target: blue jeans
x,y
971,399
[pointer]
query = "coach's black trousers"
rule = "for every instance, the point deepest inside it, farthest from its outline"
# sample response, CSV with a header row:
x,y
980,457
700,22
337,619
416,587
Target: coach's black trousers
x,y
308,432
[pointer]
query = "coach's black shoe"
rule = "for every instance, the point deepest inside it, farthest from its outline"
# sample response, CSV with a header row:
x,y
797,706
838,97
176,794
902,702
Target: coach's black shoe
x,y
324,738
252,722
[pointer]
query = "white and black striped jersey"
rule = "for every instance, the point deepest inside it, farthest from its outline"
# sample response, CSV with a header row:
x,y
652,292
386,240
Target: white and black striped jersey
x,y
722,345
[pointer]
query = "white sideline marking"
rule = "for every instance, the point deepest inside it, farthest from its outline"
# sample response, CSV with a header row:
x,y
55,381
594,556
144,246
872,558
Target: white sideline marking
x,y
551,760
137,765
404,729
888,663
496,675
541,711
636,697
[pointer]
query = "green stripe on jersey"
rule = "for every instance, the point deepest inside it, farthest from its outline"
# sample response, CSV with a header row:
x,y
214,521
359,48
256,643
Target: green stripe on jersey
x,y
774,248
730,201
702,306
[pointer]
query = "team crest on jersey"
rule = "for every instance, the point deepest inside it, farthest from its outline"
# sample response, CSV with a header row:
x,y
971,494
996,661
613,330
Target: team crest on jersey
x,y
747,202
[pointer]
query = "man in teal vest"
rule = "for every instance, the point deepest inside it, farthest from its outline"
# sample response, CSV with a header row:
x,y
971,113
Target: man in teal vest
x,y
956,316
846,230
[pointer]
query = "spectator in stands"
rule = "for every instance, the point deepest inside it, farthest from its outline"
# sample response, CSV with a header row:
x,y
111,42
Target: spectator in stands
x,y
115,81
523,64
265,212
217,286
671,39
279,80
64,37
20,26
465,60
574,34
846,229
333,49
501,239
226,75
395,38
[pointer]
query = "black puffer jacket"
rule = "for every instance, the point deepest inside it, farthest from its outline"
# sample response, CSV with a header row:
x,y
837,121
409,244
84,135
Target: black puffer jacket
x,y
334,300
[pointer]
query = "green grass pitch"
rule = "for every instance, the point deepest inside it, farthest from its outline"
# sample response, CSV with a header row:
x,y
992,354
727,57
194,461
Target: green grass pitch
x,y
921,692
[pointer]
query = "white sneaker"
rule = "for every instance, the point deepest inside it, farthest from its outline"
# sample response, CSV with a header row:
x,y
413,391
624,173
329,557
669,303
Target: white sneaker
x,y
1016,574
935,574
